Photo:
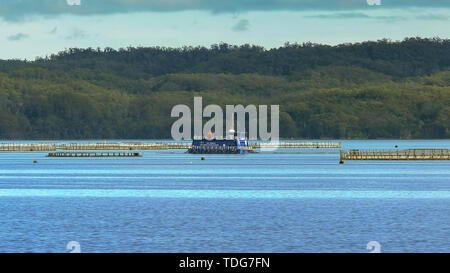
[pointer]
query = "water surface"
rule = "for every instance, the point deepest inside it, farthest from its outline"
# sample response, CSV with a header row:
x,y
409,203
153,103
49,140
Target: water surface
x,y
299,200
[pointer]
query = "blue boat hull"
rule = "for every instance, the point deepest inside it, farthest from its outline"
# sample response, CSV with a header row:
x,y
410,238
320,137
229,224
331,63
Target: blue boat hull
x,y
215,146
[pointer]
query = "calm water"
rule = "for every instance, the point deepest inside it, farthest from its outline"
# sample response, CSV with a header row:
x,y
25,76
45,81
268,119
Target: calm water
x,y
169,201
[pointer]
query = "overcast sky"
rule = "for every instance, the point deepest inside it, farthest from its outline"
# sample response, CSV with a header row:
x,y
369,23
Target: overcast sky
x,y
30,28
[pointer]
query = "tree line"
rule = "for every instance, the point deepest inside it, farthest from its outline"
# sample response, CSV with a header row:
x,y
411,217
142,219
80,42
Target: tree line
x,y
379,89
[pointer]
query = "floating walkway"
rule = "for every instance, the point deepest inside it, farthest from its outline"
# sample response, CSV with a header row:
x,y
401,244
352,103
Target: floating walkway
x,y
295,145
410,154
81,154
31,147
124,146
156,146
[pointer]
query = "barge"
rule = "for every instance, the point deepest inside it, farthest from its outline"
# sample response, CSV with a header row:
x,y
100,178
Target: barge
x,y
233,143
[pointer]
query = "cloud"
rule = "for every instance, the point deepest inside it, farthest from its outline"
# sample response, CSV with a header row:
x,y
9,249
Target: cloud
x,y
17,37
339,16
242,25
18,10
438,17
356,15
77,34
362,15
54,30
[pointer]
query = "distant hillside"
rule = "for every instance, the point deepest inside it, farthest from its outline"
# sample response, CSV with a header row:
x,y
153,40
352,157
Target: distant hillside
x,y
368,90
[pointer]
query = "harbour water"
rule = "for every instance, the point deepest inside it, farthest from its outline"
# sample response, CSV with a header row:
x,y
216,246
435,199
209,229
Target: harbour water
x,y
289,200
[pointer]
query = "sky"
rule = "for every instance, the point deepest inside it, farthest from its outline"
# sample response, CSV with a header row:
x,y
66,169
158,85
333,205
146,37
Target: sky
x,y
36,28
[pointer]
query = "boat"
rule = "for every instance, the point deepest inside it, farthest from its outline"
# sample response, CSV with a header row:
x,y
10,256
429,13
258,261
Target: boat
x,y
232,143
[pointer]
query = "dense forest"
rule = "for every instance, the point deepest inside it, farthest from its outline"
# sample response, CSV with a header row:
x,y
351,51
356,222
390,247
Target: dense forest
x,y
379,89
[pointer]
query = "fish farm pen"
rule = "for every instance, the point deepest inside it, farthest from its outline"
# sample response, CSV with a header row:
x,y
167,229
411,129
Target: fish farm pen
x,y
81,154
410,154
30,147
295,145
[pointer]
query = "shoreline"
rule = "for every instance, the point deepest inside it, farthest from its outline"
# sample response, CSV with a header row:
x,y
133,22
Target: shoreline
x,y
281,139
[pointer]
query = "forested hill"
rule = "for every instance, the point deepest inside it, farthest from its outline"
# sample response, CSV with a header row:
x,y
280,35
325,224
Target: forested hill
x,y
377,89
